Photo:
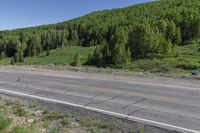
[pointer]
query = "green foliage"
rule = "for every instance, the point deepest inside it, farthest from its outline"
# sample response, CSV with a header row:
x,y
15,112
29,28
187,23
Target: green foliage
x,y
16,58
65,121
48,51
2,55
62,56
5,122
54,115
121,35
21,58
143,41
19,111
96,123
141,130
77,60
22,129
12,62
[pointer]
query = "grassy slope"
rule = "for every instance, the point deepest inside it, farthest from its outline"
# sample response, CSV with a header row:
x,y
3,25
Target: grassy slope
x,y
187,59
62,56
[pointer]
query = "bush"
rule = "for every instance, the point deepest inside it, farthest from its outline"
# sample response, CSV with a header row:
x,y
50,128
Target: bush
x,y
141,130
54,115
77,60
65,121
19,111
95,123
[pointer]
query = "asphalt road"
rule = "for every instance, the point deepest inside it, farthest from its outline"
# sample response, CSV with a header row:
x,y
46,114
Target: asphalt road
x,y
166,103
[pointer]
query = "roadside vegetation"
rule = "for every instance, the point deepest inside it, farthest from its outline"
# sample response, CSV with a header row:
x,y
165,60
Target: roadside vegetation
x,y
16,117
145,37
185,60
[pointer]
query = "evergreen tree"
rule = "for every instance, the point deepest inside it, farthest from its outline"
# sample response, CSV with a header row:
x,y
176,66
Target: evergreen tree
x,y
162,25
142,41
178,38
128,56
120,41
171,31
16,58
21,57
197,30
119,55
2,56
12,62
48,51
77,60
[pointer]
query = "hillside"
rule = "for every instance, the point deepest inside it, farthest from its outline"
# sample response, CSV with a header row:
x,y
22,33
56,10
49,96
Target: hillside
x,y
151,32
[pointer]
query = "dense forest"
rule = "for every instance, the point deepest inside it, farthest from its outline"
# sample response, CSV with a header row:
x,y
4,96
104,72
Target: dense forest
x,y
120,35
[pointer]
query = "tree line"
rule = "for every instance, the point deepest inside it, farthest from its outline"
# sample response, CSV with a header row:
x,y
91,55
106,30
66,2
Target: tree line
x,y
120,35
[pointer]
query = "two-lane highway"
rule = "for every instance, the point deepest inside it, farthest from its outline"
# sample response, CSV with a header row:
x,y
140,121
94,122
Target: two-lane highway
x,y
165,104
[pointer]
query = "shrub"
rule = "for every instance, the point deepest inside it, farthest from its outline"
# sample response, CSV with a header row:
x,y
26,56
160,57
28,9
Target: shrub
x,y
141,130
19,111
95,123
77,60
65,121
54,115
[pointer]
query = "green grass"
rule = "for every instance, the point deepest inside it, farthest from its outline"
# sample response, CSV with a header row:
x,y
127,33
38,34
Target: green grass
x,y
54,115
86,122
64,56
186,59
65,121
23,129
19,111
5,122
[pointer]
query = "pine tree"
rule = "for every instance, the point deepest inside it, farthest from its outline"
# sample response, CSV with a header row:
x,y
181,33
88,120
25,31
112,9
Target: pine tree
x,y
16,58
120,40
21,57
143,40
48,51
128,56
12,62
178,37
2,56
162,25
171,31
119,56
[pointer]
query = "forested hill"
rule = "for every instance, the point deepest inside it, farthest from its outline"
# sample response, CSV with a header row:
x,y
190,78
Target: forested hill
x,y
121,35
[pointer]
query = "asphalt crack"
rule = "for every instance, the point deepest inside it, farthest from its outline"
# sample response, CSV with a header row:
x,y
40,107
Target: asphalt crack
x,y
133,112
139,101
106,100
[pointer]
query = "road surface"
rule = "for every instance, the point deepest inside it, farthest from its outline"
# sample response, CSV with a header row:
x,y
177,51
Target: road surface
x,y
164,103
